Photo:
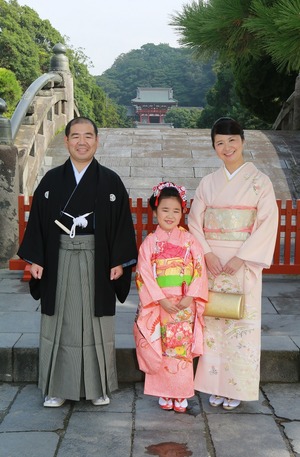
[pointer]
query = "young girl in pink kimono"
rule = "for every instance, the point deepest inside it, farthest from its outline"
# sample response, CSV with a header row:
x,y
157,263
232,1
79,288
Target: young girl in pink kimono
x,y
172,284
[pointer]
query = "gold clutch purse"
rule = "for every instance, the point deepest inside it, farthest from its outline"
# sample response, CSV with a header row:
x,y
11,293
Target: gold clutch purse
x,y
227,306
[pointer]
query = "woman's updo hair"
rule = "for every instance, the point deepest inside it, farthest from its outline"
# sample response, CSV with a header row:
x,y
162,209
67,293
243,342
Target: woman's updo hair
x,y
226,126
166,190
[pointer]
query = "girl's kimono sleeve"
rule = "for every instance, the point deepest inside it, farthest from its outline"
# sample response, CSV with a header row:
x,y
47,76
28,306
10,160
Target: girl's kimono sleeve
x,y
146,328
198,288
149,290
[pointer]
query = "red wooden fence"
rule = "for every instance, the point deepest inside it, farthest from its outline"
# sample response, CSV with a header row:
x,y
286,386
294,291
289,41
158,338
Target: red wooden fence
x,y
286,258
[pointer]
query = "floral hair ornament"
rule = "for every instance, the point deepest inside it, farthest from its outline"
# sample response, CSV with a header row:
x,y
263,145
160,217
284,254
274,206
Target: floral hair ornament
x,y
162,185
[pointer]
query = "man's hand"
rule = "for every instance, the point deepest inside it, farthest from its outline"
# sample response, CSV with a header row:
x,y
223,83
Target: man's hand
x,y
116,272
36,271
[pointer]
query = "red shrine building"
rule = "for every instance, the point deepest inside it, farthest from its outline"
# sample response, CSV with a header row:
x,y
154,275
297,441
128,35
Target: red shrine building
x,y
152,103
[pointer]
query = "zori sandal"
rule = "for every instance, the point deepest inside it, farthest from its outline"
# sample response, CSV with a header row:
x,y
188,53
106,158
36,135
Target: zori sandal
x,y
180,405
215,400
53,402
165,403
230,404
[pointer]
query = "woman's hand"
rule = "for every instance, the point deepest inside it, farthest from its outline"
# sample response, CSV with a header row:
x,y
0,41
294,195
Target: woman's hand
x,y
213,264
233,265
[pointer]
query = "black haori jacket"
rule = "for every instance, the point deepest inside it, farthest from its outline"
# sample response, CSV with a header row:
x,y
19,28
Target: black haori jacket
x,y
101,192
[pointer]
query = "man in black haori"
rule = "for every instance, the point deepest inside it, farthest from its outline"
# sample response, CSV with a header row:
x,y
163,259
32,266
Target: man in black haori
x,y
81,244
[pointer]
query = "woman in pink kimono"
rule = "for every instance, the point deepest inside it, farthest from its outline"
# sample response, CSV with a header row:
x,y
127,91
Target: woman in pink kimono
x,y
234,216
172,285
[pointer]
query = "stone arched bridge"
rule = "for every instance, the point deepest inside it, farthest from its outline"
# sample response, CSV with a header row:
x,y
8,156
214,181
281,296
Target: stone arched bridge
x,y
143,157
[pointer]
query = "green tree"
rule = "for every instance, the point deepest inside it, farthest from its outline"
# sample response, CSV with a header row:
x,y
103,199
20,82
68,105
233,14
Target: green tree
x,y
26,43
260,87
10,90
247,34
158,66
222,100
276,27
183,117
90,98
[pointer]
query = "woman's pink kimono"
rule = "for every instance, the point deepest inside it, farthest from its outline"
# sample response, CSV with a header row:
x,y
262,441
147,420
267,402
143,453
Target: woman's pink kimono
x,y
169,265
236,217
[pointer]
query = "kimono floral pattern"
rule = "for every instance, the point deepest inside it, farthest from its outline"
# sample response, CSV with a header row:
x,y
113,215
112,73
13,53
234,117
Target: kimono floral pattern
x,y
229,223
177,336
170,266
236,217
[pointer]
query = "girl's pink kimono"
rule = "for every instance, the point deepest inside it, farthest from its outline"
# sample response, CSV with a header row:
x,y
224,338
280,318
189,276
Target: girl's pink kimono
x,y
169,265
236,217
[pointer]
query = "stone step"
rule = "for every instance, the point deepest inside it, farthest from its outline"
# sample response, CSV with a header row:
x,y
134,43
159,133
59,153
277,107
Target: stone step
x,y
20,320
20,364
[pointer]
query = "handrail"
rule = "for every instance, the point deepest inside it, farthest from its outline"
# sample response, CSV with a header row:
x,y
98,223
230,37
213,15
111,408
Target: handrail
x,y
287,107
28,97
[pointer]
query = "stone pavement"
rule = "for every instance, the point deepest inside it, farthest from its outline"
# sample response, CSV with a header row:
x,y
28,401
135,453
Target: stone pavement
x,y
133,425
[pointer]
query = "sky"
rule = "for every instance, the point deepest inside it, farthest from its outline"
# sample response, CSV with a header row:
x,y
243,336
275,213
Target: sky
x,y
104,29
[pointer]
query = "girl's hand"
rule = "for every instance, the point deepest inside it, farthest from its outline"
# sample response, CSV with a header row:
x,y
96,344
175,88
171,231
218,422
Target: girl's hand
x,y
184,302
213,264
168,306
233,265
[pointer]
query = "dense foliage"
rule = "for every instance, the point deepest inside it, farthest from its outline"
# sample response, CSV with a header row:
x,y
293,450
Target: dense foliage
x,y
158,66
10,90
258,38
222,100
186,118
241,58
26,43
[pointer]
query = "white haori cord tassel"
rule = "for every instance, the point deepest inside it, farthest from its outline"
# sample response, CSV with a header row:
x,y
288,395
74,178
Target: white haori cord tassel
x,y
79,221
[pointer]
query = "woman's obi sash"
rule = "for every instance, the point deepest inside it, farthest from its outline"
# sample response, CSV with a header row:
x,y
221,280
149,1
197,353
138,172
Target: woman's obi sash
x,y
232,223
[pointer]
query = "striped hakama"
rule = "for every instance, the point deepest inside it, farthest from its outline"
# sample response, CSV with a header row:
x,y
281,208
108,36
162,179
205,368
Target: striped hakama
x,y
77,350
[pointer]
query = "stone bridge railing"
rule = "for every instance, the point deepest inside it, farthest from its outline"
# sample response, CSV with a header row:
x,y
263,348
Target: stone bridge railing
x,y
289,116
45,108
